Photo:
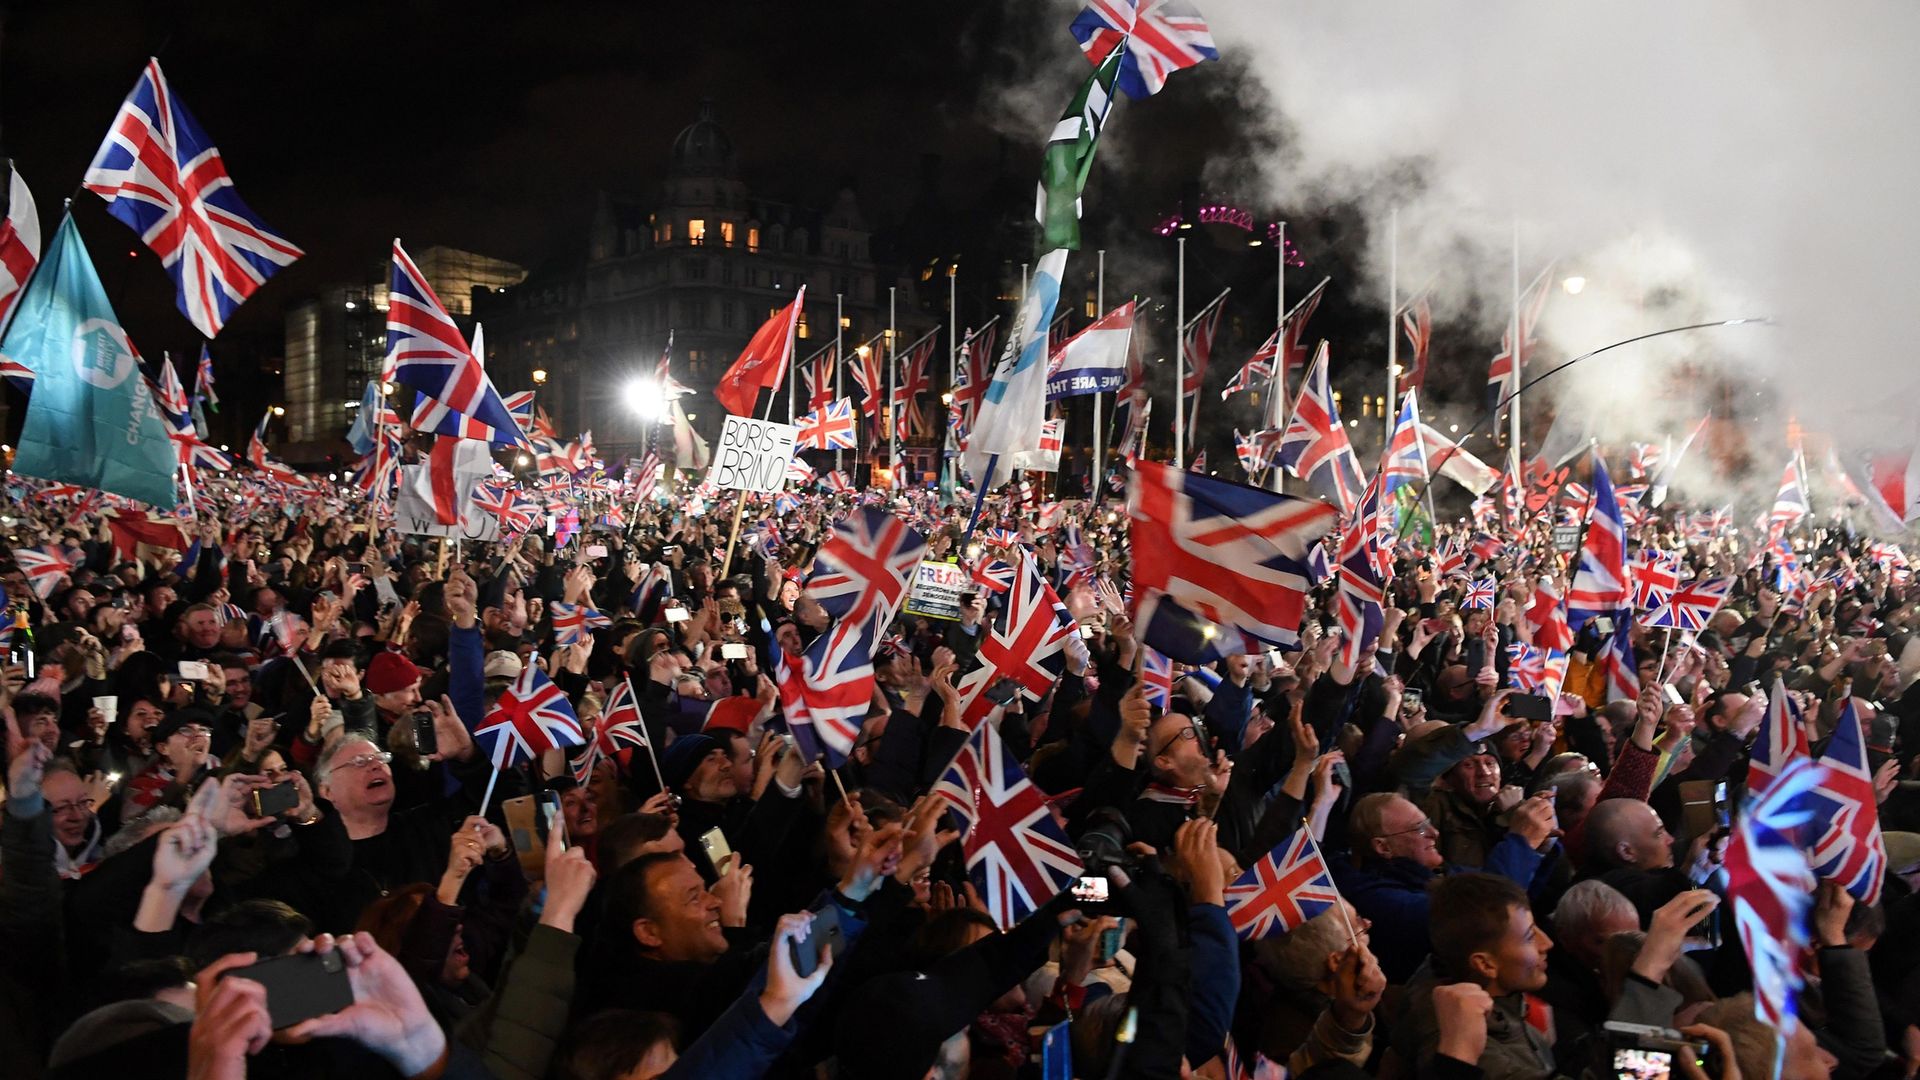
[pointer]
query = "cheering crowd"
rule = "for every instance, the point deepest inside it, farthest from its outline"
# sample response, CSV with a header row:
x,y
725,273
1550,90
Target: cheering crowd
x,y
286,799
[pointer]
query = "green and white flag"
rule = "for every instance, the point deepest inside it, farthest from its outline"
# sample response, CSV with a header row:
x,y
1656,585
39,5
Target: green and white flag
x,y
91,419
1070,158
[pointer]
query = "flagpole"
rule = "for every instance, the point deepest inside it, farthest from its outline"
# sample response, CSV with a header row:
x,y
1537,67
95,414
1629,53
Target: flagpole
x,y
1393,317
1098,473
1277,388
953,377
893,411
1180,356
837,365
1515,350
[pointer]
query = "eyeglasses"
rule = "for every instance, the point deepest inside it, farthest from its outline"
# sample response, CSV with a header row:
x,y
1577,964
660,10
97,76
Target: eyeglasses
x,y
1424,825
71,806
1188,732
362,761
194,731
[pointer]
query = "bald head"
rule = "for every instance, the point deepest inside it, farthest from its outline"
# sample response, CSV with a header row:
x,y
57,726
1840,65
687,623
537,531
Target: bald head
x,y
1626,832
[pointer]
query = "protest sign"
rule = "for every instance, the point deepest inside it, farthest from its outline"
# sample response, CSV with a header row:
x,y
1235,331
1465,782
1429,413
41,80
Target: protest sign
x,y
936,590
752,455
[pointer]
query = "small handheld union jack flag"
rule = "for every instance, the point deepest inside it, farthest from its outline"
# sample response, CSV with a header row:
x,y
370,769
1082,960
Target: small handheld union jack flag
x,y
571,622
1770,887
1016,853
1288,886
1480,593
531,717
1850,849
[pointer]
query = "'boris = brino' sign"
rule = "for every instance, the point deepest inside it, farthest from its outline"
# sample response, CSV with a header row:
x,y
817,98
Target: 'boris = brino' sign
x,y
752,455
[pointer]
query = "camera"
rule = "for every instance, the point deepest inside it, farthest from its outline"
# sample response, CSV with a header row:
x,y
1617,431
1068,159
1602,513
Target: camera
x,y
1103,844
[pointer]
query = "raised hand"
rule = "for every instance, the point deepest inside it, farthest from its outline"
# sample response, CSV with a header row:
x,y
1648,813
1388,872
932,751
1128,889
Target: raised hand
x,y
387,1016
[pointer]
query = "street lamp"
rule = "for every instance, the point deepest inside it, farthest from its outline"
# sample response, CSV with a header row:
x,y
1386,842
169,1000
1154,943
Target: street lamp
x,y
645,397
1574,285
539,376
278,411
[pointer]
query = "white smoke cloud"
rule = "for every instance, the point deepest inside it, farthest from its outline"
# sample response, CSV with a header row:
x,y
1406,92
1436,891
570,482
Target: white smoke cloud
x,y
1692,161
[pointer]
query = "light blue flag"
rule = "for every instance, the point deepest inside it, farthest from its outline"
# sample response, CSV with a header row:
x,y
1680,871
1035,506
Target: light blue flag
x,y
360,435
91,419
1014,408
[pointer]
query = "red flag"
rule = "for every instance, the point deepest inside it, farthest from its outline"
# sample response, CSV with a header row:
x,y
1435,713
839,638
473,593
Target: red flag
x,y
763,363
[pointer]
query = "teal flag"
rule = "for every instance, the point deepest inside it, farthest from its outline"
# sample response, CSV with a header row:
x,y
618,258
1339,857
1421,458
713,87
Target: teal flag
x,y
91,419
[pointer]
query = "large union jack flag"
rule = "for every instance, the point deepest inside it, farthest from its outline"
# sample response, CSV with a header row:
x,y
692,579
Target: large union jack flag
x,y
862,572
1314,446
426,351
1162,36
1601,585
1288,886
1025,643
1690,608
1201,333
916,378
1016,853
1850,848
1229,572
531,717
163,177
1770,887
817,376
1781,739
825,691
830,428
1656,574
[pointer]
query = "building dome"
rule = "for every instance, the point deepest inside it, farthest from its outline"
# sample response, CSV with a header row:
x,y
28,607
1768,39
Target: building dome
x,y
703,148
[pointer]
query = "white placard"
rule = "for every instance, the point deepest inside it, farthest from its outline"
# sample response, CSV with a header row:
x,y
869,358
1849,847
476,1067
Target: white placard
x,y
936,590
414,515
752,455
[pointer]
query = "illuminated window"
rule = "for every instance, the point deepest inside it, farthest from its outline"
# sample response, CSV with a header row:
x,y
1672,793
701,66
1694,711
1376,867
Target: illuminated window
x,y
753,239
696,231
726,233
666,233
1092,312
846,322
802,330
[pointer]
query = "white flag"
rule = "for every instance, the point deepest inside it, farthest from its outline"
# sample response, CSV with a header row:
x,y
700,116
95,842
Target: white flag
x,y
1013,410
1456,464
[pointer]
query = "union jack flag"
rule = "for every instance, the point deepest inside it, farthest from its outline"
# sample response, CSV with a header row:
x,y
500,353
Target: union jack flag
x,y
45,567
1201,332
1025,643
620,730
1655,575
1782,738
993,574
866,375
572,622
1001,536
1229,572
504,503
1364,567
817,375
1770,886
1850,849
1480,593
663,374
1645,460
799,472
915,379
1405,460
1601,585
830,428
1288,886
1503,376
1016,854
203,380
1547,615
1162,37
1255,371
1691,607
1156,672
1449,559
862,572
1314,446
1790,504
426,351
531,717
1535,670
19,240
837,482
163,177
643,477
974,376
825,692
1417,320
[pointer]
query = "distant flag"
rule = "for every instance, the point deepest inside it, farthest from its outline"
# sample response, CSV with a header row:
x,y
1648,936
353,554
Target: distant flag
x,y
163,177
1670,464
1294,343
817,377
1012,410
1692,606
1790,504
1602,584
830,428
1510,363
914,379
1198,339
1093,361
1405,460
19,240
531,716
763,363
1314,446
1282,890
1199,463
573,622
1016,854
1160,37
1069,158
669,386
1417,320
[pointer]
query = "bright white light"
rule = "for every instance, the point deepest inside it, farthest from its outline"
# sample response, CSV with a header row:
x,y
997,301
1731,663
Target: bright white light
x,y
645,398
1453,429
1574,284
522,460
1353,423
351,305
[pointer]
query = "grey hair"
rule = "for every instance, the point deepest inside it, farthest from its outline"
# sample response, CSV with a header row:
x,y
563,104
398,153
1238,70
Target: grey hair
x,y
138,829
1568,788
1297,960
323,768
1588,902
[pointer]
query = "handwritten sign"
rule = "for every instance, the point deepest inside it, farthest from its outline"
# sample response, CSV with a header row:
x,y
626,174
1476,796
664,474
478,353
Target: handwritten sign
x,y
1566,538
414,516
752,455
936,590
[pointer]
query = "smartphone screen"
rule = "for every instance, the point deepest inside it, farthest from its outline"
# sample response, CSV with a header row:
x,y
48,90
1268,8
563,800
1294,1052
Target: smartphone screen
x,y
1673,694
1632,1061
677,614
733,650
193,670
1091,890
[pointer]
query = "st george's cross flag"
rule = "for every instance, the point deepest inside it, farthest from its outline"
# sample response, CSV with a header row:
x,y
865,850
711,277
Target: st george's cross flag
x,y
531,717
1161,37
1229,574
163,177
1285,888
1018,857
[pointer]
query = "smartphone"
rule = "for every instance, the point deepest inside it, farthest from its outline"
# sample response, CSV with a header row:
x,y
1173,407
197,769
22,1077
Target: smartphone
x,y
719,852
1056,1053
193,670
825,930
676,614
301,986
1275,658
1003,691
552,826
1086,631
425,739
356,568
734,650
525,834
1411,698
1093,895
596,551
1112,940
1535,707
274,801
1603,624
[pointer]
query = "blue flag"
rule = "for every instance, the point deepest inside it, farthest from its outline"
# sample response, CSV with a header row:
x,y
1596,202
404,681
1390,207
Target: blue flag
x,y
360,436
91,419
